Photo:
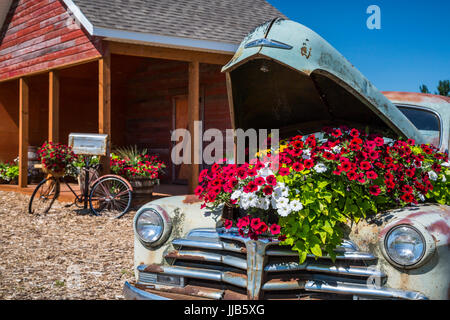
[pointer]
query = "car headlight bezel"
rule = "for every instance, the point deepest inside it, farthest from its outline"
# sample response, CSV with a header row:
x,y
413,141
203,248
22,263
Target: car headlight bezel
x,y
429,246
416,233
166,226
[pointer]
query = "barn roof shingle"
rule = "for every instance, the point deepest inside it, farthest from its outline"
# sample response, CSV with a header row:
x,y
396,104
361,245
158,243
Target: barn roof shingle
x,y
212,20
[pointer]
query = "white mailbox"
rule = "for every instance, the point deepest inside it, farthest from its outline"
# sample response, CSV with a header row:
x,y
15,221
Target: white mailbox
x,y
93,144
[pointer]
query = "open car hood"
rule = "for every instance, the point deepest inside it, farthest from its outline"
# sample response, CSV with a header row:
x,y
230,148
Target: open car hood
x,y
285,76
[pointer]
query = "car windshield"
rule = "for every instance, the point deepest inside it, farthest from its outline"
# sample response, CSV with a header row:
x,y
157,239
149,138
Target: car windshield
x,y
427,122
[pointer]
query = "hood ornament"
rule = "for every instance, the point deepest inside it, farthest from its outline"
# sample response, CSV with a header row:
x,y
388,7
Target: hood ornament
x,y
267,43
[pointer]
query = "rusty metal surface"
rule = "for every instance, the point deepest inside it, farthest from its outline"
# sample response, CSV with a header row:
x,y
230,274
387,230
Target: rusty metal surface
x,y
431,276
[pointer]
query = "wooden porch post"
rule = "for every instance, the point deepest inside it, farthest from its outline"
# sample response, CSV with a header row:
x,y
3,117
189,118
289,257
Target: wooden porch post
x,y
53,106
23,132
104,104
194,115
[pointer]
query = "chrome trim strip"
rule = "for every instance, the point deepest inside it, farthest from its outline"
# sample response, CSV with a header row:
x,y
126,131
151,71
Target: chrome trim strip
x,y
132,293
263,42
315,267
362,290
197,273
282,285
205,244
208,256
340,255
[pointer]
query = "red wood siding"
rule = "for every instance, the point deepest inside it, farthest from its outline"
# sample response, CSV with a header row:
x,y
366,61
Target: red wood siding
x,y
39,35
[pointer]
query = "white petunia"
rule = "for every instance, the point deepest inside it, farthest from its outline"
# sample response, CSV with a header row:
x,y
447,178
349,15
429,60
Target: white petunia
x,y
263,203
421,197
320,167
265,172
446,164
284,211
236,195
306,154
336,149
282,202
296,205
444,179
433,176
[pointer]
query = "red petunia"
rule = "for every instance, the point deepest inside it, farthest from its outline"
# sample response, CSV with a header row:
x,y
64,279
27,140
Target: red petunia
x,y
309,163
255,222
371,175
268,190
408,197
354,133
228,224
329,156
410,172
271,180
352,175
345,166
365,165
243,222
298,166
275,229
283,171
260,181
374,190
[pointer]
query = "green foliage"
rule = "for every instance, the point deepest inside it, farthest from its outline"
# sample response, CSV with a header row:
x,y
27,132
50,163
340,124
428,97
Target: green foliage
x,y
9,171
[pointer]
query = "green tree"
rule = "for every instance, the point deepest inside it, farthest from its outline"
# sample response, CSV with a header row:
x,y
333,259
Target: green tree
x,y
424,89
444,88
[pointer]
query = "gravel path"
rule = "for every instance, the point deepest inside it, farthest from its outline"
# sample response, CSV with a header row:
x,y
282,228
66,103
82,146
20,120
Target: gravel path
x,y
62,255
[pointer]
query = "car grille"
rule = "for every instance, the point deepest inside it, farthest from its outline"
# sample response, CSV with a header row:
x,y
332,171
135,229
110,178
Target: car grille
x,y
220,264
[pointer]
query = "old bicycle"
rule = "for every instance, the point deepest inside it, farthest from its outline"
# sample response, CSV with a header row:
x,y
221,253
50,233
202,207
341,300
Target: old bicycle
x,y
107,195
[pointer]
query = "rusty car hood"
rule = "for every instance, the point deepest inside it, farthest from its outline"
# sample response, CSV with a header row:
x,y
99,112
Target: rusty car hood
x,y
284,75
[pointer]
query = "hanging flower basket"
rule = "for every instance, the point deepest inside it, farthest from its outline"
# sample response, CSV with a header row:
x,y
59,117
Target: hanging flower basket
x,y
55,158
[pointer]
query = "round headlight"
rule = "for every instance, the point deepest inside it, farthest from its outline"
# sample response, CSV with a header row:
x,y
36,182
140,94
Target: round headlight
x,y
405,245
152,226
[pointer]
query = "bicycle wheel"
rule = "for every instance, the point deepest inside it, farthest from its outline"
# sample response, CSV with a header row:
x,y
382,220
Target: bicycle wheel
x,y
111,197
43,196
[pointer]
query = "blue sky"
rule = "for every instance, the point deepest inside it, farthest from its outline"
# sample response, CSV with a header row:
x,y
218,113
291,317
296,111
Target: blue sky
x,y
411,48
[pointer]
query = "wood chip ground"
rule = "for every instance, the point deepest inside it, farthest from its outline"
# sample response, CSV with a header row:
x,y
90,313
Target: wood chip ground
x,y
62,255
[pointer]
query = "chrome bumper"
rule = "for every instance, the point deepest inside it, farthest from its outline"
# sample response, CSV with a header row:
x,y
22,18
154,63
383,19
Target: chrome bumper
x,y
130,292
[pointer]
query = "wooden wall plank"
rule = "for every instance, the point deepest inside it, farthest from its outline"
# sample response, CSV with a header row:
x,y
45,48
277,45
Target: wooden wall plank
x,y
194,115
168,53
53,106
23,132
104,105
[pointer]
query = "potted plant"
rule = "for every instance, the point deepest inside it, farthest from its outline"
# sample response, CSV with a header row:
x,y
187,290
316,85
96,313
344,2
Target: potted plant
x,y
55,158
138,167
9,173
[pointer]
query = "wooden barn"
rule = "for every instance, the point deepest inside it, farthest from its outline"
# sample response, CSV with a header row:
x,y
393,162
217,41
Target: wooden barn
x,y
134,69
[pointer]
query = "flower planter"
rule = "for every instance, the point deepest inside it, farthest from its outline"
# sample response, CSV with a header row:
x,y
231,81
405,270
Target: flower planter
x,y
143,187
56,174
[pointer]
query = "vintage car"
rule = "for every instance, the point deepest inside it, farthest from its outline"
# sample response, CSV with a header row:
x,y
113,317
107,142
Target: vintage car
x,y
286,76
